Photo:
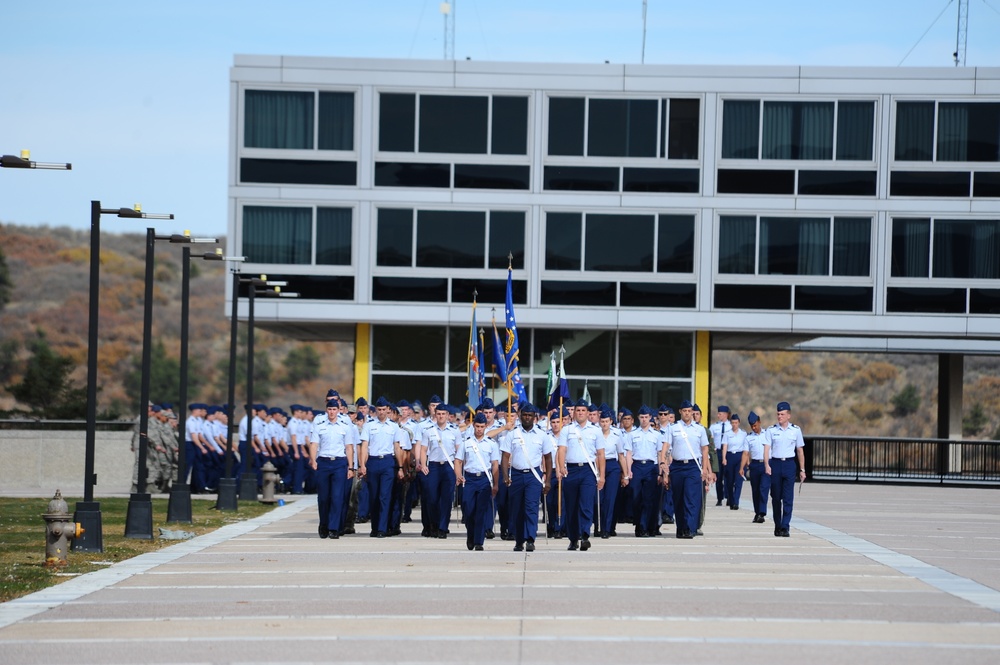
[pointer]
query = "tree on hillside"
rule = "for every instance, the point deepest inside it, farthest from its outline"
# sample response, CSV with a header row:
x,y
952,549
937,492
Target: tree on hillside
x,y
8,358
6,285
262,372
46,386
164,377
906,401
301,365
975,421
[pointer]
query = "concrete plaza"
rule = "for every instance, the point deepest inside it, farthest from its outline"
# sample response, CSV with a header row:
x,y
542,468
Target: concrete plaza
x,y
871,573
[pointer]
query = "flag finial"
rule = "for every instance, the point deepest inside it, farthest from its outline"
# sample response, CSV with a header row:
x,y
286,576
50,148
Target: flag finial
x,y
510,260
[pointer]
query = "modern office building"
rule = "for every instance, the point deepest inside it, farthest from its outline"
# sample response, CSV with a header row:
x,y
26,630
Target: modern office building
x,y
650,213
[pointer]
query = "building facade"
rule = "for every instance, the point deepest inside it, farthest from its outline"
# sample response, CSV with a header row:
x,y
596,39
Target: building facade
x,y
648,213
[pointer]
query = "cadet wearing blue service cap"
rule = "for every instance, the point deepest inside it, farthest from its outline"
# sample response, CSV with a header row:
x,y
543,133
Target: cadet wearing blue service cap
x,y
718,432
477,469
615,448
580,461
436,462
689,469
381,442
760,470
330,449
646,443
526,465
735,457
786,447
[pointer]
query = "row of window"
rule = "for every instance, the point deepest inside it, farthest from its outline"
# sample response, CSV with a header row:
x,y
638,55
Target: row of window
x,y
752,129
838,246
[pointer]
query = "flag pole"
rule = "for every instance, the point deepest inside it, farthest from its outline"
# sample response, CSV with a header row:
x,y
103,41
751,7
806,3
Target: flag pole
x,y
562,372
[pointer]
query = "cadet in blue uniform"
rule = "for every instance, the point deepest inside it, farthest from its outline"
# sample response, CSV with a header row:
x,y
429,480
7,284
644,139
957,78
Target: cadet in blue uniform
x,y
689,470
436,465
330,448
646,442
581,462
615,447
380,446
786,447
735,458
760,468
556,528
717,431
526,465
477,469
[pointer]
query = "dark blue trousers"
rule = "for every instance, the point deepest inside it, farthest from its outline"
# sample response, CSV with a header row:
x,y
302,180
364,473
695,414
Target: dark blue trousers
x,y
608,495
477,506
685,483
299,472
760,487
782,490
524,494
331,478
645,495
734,481
580,490
381,475
439,493
248,459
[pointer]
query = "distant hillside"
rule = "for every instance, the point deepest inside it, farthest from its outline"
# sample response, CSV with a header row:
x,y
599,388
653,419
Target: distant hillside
x,y
830,393
49,269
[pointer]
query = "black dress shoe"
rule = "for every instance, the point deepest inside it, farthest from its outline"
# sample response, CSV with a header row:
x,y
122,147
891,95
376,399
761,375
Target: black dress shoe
x,y
784,533
777,532
613,533
324,532
426,533
348,531
530,546
334,535
395,532
406,520
640,533
686,535
519,547
478,548
605,536
573,546
505,535
559,534
585,545
468,541
380,534
442,535
719,502
668,520
490,535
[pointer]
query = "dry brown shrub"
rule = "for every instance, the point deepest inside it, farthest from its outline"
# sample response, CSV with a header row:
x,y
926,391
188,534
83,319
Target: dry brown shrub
x,y
840,366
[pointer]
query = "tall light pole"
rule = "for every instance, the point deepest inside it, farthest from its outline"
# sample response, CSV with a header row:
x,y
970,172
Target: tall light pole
x,y
139,517
88,511
179,504
248,480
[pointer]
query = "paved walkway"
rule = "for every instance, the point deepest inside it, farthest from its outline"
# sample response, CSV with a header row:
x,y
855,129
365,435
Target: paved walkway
x,y
880,574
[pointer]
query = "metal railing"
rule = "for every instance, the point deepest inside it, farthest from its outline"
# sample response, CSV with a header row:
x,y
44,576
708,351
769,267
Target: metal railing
x,y
941,461
39,424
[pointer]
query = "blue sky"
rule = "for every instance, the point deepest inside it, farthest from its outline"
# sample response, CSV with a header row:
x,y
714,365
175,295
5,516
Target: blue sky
x,y
135,94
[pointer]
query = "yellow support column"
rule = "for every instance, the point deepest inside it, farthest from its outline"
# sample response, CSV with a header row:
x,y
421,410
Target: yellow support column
x,y
702,369
362,361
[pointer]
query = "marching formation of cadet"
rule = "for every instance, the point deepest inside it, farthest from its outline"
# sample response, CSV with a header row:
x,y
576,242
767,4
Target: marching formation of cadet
x,y
584,468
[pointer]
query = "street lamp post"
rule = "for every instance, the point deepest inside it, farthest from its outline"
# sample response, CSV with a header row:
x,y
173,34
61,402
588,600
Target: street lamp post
x,y
179,504
139,517
248,479
88,511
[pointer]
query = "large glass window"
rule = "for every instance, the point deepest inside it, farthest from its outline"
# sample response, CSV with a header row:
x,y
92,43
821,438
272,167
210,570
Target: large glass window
x,y
795,246
449,238
624,127
276,119
788,130
462,124
964,131
284,119
277,234
619,243
966,248
911,247
333,236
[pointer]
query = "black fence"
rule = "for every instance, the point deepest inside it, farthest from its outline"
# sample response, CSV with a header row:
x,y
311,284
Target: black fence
x,y
38,424
915,460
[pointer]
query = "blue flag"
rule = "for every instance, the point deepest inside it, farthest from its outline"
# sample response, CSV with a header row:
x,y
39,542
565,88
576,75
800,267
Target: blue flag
x,y
499,364
510,346
482,367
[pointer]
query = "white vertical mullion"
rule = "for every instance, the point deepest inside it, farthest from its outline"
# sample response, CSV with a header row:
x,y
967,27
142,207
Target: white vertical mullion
x,y
829,268
760,130
930,249
315,145
836,114
756,255
413,239
315,220
583,242
586,124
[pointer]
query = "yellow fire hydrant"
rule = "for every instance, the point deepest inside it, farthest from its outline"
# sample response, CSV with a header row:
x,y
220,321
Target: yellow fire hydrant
x,y
59,529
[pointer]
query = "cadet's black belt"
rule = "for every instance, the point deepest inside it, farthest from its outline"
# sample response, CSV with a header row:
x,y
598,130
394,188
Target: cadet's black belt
x,y
475,474
521,470
683,461
783,459
577,464
644,461
381,456
432,462
332,459
757,460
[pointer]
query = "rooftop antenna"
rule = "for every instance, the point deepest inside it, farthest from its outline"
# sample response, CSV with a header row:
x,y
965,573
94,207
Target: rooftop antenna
x,y
644,4
448,10
962,33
